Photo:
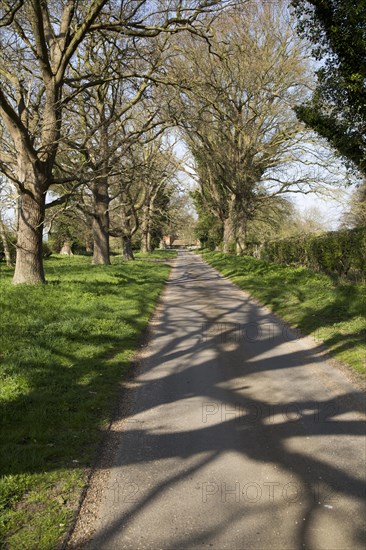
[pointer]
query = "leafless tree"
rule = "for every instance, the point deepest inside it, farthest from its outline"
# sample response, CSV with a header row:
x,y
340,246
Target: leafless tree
x,y
355,214
235,106
39,41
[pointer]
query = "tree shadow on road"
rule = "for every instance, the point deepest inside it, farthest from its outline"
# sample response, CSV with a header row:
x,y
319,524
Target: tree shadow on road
x,y
243,379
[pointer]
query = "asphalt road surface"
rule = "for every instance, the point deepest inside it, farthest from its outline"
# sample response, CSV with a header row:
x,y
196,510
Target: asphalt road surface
x,y
239,436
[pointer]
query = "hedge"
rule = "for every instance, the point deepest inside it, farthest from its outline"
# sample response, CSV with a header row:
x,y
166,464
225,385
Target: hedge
x,y
342,253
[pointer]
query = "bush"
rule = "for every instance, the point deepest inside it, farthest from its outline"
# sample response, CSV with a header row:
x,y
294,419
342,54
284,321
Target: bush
x,y
78,247
342,253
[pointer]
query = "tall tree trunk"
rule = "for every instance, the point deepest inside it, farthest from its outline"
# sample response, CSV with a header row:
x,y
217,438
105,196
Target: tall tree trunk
x,y
127,247
66,248
242,239
4,240
100,227
29,259
146,230
230,236
88,246
148,246
128,230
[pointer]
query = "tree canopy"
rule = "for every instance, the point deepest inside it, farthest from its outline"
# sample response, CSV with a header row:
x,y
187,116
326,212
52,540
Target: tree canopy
x,y
337,109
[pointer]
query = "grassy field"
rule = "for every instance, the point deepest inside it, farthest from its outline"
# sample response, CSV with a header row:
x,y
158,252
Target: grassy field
x,y
63,349
333,312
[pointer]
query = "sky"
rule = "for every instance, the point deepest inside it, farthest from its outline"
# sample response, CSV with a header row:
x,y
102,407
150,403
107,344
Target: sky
x,y
331,210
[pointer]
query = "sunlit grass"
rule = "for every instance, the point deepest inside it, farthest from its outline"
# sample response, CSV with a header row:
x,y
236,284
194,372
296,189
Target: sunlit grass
x,y
331,311
64,347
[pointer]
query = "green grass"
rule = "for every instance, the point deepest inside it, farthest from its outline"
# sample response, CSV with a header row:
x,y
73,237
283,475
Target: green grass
x,y
333,312
64,348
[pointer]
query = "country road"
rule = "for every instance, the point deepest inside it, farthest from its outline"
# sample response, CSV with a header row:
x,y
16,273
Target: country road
x,y
239,434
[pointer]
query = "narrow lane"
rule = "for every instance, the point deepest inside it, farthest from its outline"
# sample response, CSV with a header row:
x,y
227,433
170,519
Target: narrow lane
x,y
239,435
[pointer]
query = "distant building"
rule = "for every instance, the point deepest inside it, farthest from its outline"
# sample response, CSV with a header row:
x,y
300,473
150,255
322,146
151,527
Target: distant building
x,y
167,241
173,241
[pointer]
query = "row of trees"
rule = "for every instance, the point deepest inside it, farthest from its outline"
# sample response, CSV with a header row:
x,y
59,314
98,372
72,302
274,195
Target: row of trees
x,y
250,149
136,196
89,94
72,75
238,117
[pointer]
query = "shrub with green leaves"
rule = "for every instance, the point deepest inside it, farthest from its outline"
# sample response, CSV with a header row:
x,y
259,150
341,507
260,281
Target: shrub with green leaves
x,y
342,253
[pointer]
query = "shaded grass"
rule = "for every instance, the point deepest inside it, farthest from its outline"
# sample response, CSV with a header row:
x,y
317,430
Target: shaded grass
x,y
333,312
64,348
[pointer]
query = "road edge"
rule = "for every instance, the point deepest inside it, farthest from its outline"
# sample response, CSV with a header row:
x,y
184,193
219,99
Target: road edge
x,y
83,524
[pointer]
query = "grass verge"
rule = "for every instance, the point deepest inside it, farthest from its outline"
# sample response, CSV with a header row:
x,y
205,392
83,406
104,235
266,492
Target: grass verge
x,y
64,348
333,312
